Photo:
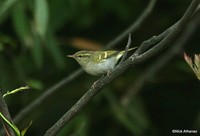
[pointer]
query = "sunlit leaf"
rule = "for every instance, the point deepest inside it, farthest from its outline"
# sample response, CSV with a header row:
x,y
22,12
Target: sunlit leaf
x,y
41,17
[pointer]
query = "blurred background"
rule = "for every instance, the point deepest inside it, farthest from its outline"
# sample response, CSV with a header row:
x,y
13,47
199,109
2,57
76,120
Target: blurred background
x,y
36,36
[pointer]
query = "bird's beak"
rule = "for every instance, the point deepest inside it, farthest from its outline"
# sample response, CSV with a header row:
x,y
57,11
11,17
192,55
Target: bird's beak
x,y
71,56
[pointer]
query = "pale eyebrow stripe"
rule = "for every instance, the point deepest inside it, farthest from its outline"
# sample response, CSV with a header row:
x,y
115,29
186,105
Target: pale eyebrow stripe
x,y
87,54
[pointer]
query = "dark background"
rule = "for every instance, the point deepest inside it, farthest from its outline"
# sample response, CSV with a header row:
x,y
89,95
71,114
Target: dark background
x,y
34,43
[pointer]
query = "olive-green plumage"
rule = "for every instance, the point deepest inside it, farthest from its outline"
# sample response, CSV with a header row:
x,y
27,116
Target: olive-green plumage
x,y
98,62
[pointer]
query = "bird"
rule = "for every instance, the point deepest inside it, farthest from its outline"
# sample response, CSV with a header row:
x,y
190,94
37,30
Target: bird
x,y
98,62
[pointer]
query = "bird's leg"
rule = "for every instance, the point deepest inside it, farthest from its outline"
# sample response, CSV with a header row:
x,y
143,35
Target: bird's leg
x,y
109,73
94,84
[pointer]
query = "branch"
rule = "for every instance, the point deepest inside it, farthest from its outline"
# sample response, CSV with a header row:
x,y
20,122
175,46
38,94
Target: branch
x,y
132,61
126,49
162,61
4,110
175,30
39,101
156,39
46,95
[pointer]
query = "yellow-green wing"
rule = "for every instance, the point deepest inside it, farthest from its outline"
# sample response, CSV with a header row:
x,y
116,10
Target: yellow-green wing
x,y
99,56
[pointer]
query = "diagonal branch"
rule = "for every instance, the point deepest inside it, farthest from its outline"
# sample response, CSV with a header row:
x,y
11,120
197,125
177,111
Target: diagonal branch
x,y
49,92
162,61
46,95
132,61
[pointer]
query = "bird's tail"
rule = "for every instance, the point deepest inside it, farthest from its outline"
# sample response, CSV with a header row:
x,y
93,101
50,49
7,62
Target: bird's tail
x,y
120,54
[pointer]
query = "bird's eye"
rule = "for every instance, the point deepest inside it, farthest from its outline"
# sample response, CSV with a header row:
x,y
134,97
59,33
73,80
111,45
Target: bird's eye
x,y
80,56
83,56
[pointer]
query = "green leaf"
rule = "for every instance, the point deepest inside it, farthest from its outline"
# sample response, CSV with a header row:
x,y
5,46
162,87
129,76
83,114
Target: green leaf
x,y
15,129
24,131
5,6
41,17
21,23
35,84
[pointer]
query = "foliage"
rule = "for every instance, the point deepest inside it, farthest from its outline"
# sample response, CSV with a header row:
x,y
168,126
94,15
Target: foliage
x,y
15,129
36,36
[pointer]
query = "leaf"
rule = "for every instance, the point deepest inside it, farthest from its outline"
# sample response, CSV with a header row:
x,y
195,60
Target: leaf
x,y
24,131
35,84
41,17
5,6
21,23
15,129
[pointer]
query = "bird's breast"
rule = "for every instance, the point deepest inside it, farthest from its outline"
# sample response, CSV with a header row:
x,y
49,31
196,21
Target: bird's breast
x,y
102,67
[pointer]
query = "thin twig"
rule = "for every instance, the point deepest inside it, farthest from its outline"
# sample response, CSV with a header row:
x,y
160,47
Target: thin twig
x,y
87,97
39,101
126,49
